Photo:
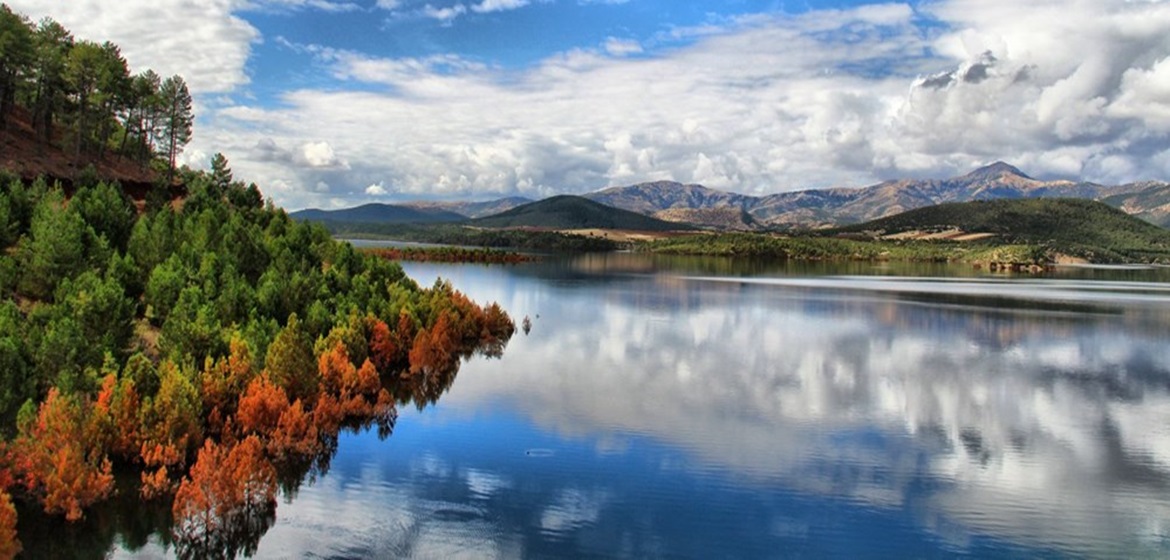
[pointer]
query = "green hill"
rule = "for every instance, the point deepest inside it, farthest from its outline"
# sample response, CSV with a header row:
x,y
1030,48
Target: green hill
x,y
574,212
1077,227
376,213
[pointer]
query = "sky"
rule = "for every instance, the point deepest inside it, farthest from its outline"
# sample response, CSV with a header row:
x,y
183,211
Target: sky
x,y
334,103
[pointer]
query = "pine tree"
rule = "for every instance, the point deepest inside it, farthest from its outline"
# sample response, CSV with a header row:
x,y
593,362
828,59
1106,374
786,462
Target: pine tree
x,y
177,119
16,56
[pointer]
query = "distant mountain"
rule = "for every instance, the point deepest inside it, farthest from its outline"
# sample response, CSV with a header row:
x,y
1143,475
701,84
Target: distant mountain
x,y
722,218
647,198
842,206
574,212
815,208
1148,201
1079,227
835,206
473,209
376,213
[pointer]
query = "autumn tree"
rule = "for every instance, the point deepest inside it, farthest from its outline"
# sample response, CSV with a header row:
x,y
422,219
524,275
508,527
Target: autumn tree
x,y
170,424
435,349
296,434
228,498
261,407
224,381
116,417
9,543
59,456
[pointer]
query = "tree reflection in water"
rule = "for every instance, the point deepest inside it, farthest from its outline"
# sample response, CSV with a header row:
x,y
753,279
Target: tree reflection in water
x,y
229,501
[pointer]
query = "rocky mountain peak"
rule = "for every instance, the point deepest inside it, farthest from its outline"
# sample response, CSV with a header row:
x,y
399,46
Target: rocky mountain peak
x,y
997,170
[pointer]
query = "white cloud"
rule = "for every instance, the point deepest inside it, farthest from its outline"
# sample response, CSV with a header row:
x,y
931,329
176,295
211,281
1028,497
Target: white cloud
x,y
760,103
203,41
487,6
322,5
622,47
376,190
320,154
445,14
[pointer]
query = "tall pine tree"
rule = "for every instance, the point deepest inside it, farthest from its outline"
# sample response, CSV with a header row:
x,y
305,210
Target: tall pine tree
x,y
177,120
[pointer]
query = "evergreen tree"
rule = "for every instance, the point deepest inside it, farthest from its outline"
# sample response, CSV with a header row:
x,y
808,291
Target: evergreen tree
x,y
55,248
16,56
52,44
177,119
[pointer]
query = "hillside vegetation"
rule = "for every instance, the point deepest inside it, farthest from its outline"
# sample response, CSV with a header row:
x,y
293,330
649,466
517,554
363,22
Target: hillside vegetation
x,y
1077,227
68,104
1031,231
214,350
376,213
574,212
454,234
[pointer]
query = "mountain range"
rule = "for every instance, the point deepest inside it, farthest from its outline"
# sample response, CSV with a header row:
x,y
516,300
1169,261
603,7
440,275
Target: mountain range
x,y
706,207
836,206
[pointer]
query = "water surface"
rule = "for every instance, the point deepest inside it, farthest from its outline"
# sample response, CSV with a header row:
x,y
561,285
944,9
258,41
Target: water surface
x,y
707,409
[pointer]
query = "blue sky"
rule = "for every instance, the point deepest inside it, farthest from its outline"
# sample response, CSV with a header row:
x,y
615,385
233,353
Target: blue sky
x,y
332,103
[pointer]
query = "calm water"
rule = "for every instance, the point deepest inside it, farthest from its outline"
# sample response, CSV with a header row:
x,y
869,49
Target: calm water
x,y
698,409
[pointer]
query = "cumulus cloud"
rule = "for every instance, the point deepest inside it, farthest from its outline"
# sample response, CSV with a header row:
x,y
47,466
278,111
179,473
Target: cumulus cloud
x,y
376,190
445,14
205,42
487,6
322,5
622,47
758,103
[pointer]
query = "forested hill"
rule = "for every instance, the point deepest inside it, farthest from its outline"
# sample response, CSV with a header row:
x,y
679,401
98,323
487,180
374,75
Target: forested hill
x,y
377,213
71,110
1075,226
200,349
574,212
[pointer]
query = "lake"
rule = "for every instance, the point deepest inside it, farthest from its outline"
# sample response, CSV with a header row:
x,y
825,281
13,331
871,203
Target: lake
x,y
702,408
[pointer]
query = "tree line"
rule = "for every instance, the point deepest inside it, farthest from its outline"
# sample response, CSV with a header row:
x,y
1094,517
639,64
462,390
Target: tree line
x,y
81,95
205,346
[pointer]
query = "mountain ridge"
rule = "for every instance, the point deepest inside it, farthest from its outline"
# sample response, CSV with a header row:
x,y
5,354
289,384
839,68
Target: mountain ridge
x,y
818,208
574,212
379,213
815,208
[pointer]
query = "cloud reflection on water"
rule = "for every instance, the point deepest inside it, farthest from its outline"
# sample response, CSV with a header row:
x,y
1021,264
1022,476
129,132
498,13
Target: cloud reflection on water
x,y
1038,424
1043,423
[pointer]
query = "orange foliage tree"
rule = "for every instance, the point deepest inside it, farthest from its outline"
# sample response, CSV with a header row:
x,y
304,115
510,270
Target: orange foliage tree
x,y
116,414
228,487
223,381
60,458
9,544
296,434
435,349
261,407
171,427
